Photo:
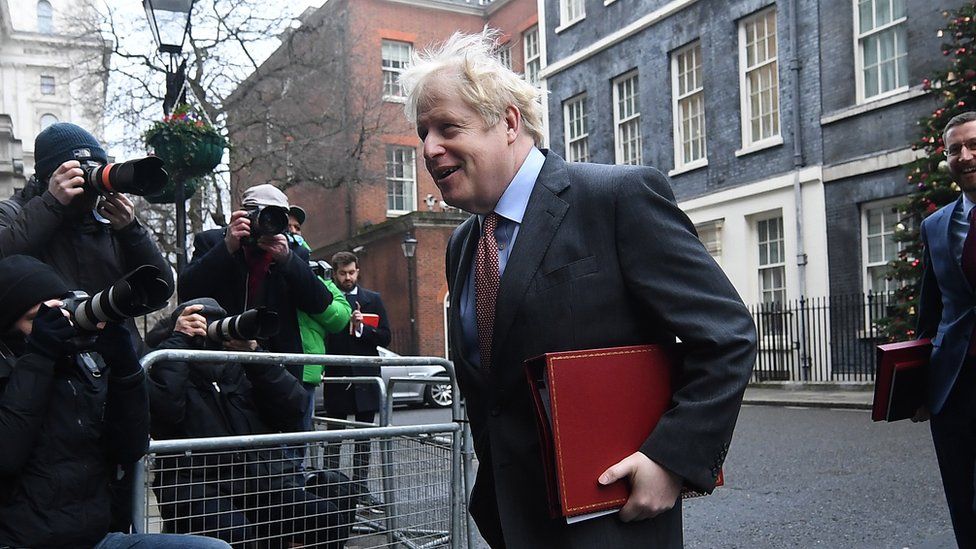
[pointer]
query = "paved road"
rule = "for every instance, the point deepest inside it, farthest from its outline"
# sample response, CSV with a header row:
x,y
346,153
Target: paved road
x,y
799,478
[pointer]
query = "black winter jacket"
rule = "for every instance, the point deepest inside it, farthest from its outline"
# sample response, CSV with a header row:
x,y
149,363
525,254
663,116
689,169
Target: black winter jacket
x,y
87,254
64,427
212,400
289,286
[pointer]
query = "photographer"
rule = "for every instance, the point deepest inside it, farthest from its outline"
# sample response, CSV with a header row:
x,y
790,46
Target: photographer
x,y
250,264
67,418
236,496
90,239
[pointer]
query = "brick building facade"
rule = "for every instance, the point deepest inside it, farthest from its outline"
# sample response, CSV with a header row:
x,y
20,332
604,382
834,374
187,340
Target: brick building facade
x,y
323,118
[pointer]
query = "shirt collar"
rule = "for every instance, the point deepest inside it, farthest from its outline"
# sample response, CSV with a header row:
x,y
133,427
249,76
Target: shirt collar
x,y
515,199
967,205
354,291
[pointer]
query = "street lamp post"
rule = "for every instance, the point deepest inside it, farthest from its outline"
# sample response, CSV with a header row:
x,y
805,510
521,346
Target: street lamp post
x,y
409,246
169,21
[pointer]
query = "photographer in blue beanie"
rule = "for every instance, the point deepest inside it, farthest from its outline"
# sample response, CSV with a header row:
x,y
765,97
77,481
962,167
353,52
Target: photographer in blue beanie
x,y
90,238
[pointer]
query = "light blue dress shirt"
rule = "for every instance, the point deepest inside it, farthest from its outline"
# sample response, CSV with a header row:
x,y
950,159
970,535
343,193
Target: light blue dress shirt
x,y
511,207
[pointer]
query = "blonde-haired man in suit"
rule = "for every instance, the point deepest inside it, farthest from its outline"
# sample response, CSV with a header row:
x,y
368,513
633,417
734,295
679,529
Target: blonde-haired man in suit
x,y
561,256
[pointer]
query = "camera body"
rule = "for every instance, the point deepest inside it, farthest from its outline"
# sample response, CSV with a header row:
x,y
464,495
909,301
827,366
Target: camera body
x,y
141,177
321,268
266,221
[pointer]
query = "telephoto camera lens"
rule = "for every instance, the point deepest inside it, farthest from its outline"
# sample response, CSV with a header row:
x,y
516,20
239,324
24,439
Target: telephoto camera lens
x,y
137,293
258,323
141,177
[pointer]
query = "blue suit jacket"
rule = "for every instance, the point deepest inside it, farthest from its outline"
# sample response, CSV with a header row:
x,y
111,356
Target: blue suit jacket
x,y
947,306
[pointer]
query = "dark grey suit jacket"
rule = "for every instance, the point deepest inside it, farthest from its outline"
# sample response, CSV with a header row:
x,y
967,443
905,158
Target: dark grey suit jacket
x,y
603,258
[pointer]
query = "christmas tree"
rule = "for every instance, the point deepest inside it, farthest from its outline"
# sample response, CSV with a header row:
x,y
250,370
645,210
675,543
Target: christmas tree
x,y
931,185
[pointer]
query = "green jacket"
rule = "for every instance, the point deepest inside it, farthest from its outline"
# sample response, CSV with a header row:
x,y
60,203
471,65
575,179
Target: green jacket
x,y
313,329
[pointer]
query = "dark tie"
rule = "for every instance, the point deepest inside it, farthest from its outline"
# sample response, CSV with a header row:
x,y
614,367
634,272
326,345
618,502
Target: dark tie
x,y
486,286
969,251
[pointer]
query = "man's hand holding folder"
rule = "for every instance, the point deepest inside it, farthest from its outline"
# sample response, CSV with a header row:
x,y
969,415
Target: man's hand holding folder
x,y
653,489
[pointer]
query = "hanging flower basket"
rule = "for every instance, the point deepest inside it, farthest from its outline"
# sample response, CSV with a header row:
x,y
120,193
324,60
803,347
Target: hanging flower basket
x,y
189,146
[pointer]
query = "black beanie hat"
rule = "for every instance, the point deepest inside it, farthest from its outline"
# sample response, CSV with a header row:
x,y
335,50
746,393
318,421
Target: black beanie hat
x,y
211,309
57,144
25,282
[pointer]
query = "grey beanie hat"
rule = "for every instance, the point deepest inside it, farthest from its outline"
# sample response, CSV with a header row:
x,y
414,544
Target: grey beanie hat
x,y
211,309
57,144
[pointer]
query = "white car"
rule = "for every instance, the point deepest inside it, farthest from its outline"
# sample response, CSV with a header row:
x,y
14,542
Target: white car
x,y
438,395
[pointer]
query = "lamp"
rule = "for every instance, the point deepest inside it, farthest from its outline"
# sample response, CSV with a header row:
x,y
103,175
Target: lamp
x,y
409,246
169,21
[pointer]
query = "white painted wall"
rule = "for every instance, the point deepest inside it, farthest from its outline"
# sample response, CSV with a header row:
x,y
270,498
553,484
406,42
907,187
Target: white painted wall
x,y
69,55
742,206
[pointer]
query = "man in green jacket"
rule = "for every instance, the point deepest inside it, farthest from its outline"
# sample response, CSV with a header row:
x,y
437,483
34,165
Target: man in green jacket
x,y
314,328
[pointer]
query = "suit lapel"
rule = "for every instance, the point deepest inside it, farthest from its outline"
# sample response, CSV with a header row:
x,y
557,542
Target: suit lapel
x,y
542,218
942,246
463,255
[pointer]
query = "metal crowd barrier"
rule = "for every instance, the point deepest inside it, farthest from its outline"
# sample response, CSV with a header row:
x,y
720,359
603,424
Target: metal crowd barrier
x,y
298,489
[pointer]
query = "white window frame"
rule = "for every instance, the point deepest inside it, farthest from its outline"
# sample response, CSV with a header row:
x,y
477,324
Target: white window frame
x,y
750,142
860,39
504,55
576,128
623,122
687,91
407,181
393,67
532,52
570,13
46,120
45,17
887,228
713,246
774,324
48,85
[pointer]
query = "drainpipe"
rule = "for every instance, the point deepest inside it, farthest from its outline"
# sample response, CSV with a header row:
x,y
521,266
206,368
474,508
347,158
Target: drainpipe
x,y
798,162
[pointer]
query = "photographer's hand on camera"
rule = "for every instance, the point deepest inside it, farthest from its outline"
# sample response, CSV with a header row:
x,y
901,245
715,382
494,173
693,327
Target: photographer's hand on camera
x,y
115,345
276,245
51,331
118,209
239,228
191,323
67,182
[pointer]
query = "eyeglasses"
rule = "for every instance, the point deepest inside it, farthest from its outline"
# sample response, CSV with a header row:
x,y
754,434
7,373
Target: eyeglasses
x,y
956,148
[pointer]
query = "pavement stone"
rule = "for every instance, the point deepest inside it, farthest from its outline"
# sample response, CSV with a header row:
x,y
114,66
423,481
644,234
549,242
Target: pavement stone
x,y
854,395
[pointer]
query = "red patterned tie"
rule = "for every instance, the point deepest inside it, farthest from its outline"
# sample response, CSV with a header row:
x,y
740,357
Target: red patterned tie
x,y
486,286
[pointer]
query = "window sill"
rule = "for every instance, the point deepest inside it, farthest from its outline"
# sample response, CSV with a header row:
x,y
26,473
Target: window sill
x,y
873,104
394,99
397,213
767,143
608,2
565,26
689,167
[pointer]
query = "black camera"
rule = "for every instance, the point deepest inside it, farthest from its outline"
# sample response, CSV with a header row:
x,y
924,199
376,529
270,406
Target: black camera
x,y
321,268
141,177
258,323
137,293
266,221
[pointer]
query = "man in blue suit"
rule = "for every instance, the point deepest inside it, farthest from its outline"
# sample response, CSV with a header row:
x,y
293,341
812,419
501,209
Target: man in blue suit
x,y
947,314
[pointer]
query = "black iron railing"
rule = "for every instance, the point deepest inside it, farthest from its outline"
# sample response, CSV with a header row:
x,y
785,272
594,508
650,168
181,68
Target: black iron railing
x,y
819,339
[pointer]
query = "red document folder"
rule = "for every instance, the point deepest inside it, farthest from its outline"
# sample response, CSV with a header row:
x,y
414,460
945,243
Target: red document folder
x,y
372,319
595,408
899,386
